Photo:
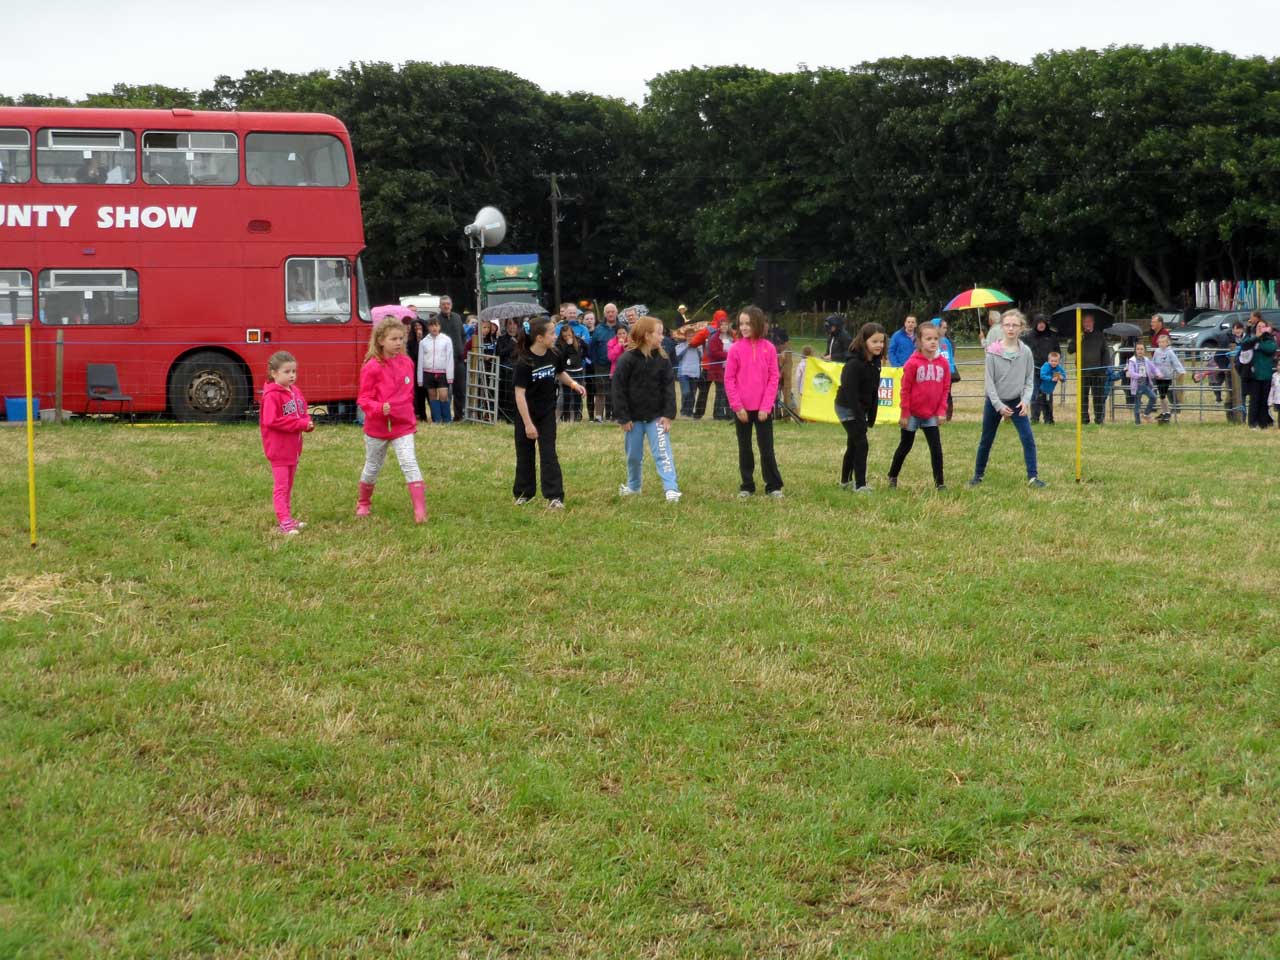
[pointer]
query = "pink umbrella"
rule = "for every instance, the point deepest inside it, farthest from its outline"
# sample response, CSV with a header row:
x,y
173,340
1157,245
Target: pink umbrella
x,y
407,314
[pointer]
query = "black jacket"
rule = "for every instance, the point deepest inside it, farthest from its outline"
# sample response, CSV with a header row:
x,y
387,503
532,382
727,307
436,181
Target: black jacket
x,y
860,388
573,354
1094,352
838,339
644,388
1042,343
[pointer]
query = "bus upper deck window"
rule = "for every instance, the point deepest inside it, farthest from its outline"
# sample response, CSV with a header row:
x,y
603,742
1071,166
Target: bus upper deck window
x,y
190,157
295,160
15,156
86,156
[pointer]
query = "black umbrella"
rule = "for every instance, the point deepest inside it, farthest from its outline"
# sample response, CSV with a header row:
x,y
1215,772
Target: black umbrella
x,y
1064,318
500,313
1123,330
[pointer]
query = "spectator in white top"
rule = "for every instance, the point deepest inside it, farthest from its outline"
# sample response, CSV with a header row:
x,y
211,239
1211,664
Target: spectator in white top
x,y
435,371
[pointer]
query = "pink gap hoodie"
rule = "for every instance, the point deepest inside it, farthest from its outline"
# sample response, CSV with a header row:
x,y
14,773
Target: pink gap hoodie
x,y
282,422
751,375
387,381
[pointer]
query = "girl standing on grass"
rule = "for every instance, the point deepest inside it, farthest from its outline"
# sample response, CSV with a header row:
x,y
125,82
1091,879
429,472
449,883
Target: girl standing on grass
x,y
751,382
386,397
1142,377
573,352
857,402
537,371
1008,380
644,403
926,381
283,421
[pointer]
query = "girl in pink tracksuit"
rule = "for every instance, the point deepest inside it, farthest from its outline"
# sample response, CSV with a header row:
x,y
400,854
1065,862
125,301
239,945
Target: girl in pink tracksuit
x,y
926,382
386,397
751,384
283,421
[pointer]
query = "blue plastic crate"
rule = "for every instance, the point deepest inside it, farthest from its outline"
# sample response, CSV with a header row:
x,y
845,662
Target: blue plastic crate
x,y
15,408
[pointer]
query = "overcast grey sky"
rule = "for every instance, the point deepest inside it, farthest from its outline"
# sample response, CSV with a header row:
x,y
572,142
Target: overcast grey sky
x,y
612,47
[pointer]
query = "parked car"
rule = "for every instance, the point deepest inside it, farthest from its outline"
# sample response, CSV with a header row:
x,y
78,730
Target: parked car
x,y
1180,318
1211,330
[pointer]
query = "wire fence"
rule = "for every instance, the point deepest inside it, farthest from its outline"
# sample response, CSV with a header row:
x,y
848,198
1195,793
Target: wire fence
x,y
193,379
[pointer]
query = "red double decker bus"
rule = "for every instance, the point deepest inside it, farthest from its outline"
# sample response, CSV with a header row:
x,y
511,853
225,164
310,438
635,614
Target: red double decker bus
x,y
183,248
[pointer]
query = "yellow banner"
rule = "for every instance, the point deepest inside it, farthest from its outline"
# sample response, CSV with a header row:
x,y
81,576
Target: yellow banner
x,y
822,380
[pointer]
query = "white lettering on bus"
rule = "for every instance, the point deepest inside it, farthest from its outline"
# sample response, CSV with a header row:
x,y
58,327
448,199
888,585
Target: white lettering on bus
x,y
149,217
22,215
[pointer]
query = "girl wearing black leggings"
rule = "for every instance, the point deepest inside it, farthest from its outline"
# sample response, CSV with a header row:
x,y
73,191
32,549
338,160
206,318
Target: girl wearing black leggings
x,y
857,401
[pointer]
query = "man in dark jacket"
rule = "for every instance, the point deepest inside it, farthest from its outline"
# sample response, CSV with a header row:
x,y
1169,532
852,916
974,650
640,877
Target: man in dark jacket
x,y
1095,357
451,326
838,339
1042,341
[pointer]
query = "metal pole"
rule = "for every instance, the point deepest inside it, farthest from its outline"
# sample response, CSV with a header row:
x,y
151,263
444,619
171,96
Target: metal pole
x,y
31,433
1079,396
57,378
555,238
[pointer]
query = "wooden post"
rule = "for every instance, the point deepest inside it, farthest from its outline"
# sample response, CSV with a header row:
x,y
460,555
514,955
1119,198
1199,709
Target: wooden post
x,y
1234,415
57,378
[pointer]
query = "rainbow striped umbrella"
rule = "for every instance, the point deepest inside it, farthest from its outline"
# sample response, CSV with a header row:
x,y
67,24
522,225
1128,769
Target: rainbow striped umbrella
x,y
977,298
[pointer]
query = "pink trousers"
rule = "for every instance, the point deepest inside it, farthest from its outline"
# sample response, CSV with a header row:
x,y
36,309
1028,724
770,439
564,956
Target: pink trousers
x,y
283,477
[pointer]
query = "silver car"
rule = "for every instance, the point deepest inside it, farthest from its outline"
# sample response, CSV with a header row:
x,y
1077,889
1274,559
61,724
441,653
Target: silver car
x,y
1211,330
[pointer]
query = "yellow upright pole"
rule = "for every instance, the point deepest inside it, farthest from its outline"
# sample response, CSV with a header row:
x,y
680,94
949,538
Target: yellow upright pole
x,y
31,434
1079,398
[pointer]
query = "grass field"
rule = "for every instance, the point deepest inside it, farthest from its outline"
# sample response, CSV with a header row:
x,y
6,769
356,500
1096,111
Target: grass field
x,y
985,723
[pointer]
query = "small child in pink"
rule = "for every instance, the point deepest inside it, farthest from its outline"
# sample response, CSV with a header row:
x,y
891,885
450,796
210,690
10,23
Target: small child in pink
x,y
926,381
283,421
386,397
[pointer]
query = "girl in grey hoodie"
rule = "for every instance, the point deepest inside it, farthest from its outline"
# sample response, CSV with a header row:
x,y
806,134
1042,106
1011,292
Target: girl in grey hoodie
x,y
1009,382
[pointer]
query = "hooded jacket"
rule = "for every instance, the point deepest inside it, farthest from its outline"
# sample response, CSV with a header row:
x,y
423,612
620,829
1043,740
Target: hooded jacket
x,y
1141,371
1009,376
1168,365
1264,354
435,355
751,375
716,355
925,384
1042,343
838,339
282,421
643,388
387,381
860,388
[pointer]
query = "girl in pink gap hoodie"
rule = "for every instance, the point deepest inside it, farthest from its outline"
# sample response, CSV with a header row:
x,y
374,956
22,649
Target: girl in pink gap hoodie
x,y
926,381
751,384
386,397
283,420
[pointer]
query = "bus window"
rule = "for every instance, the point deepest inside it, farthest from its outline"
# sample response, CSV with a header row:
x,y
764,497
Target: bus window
x,y
317,290
86,156
88,296
189,158
362,293
295,160
15,296
15,156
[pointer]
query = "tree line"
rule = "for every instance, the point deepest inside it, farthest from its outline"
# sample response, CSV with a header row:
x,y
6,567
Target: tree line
x,y
1121,173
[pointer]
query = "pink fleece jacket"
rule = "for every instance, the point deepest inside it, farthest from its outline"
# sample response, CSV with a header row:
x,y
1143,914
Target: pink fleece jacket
x,y
751,375
282,421
925,384
387,381
615,349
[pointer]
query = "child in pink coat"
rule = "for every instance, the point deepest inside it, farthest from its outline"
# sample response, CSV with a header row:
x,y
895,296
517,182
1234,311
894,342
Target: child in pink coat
x,y
751,384
926,382
283,421
386,397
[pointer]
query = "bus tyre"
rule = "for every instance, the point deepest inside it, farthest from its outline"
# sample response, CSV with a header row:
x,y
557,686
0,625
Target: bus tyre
x,y
208,386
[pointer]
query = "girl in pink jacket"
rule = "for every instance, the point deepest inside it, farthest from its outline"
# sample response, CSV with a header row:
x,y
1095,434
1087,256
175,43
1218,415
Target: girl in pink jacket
x,y
386,397
282,421
926,382
751,384
617,347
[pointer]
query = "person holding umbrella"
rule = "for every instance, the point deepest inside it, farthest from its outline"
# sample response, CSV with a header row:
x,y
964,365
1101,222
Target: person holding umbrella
x,y
1008,381
1095,357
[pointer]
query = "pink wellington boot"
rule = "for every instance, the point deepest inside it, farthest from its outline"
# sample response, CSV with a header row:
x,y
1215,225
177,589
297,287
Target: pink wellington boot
x,y
365,503
418,494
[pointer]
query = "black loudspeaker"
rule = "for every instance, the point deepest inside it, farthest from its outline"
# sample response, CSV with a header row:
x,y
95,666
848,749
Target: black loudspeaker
x,y
775,289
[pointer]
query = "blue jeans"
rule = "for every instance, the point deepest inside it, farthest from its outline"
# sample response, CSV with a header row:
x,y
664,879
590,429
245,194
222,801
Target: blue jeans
x,y
1144,390
688,393
990,422
659,447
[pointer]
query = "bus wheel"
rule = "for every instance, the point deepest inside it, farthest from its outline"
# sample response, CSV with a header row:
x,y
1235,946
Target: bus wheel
x,y
208,386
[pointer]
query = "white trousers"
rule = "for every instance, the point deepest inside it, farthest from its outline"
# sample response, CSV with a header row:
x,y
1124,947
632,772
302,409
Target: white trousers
x,y
375,455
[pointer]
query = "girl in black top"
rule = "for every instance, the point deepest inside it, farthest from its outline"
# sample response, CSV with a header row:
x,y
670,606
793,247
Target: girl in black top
x,y
417,333
573,352
857,401
537,371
